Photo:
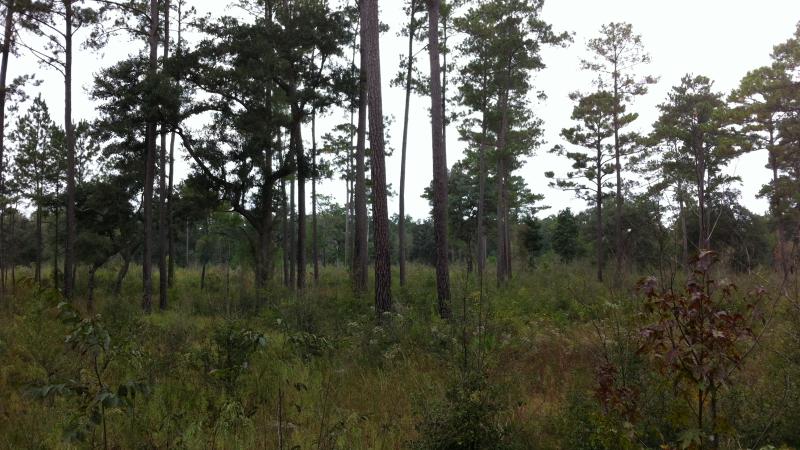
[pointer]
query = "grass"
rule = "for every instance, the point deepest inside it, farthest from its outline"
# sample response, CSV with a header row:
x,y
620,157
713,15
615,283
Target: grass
x,y
517,362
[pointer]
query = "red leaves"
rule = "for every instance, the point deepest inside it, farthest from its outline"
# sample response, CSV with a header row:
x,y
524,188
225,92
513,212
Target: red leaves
x,y
693,337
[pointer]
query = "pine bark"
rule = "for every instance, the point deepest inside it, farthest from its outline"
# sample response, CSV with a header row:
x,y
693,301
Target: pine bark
x,y
401,220
599,208
314,234
150,162
360,246
300,161
69,247
370,40
481,238
163,270
6,49
439,165
618,169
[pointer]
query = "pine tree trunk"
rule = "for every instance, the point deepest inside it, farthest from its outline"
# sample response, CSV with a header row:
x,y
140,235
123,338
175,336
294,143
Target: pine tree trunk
x,y
285,232
170,216
37,274
299,154
360,255
150,162
69,247
481,237
502,228
439,166
776,204
90,288
383,274
314,235
599,207
349,238
203,276
292,239
163,270
618,168
6,49
123,271
55,248
401,220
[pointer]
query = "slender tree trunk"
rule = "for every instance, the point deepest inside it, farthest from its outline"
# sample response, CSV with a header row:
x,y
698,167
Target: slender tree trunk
x,y
703,238
383,274
599,203
618,169
314,234
55,246
502,229
300,160
37,275
12,257
163,270
150,162
360,255
292,239
776,203
684,231
401,220
203,276
90,288
285,231
7,36
481,238
349,239
187,243
439,166
69,248
123,271
170,216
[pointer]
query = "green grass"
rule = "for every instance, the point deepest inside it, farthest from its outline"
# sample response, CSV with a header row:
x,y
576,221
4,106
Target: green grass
x,y
517,363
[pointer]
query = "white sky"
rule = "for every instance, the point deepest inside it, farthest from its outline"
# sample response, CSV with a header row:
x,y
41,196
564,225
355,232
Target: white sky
x,y
721,39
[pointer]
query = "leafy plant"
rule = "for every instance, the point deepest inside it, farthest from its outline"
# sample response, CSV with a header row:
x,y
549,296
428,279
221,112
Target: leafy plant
x,y
697,343
92,395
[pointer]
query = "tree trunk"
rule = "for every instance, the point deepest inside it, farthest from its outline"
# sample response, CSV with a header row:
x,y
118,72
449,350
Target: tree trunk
x,y
618,169
163,270
170,188
170,218
203,276
360,255
703,237
292,239
37,274
123,271
300,160
401,220
69,247
314,175
150,162
90,288
599,207
502,229
776,203
684,231
439,166
55,248
481,238
349,239
383,274
7,36
285,231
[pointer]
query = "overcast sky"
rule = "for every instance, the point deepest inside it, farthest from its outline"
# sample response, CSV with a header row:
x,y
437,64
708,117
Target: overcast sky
x,y
721,39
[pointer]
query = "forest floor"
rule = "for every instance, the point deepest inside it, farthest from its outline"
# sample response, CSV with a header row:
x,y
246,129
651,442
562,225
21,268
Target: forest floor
x,y
516,368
